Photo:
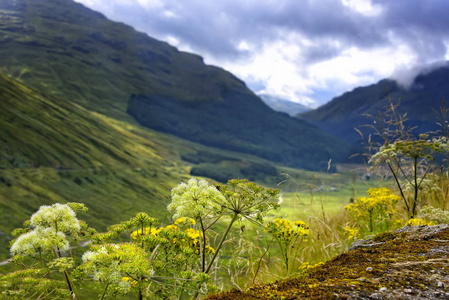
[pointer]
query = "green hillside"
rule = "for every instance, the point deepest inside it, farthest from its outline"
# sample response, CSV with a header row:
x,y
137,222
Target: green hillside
x,y
56,151
348,111
237,122
67,50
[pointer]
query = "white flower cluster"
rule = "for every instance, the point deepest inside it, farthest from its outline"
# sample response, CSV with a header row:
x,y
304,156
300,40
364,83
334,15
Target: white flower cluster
x,y
40,239
59,216
92,255
195,199
425,184
400,150
384,155
442,142
50,225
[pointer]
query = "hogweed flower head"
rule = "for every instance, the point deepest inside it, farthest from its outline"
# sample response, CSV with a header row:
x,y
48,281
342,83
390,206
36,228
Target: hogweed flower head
x,y
58,216
39,239
195,199
248,201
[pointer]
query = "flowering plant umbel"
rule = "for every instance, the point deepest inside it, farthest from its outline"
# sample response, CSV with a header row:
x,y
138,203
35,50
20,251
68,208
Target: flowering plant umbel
x,y
50,233
410,161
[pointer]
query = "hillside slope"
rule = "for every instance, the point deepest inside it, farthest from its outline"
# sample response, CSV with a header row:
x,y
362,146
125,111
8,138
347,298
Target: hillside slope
x,y
55,151
237,122
72,52
343,113
65,49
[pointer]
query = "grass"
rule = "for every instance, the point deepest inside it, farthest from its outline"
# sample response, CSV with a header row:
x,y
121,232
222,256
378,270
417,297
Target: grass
x,y
245,253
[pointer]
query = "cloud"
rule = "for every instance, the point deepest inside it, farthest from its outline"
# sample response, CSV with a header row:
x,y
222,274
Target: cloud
x,y
300,50
405,75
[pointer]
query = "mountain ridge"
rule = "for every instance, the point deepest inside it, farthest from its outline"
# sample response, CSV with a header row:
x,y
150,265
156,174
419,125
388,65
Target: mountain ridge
x,y
353,109
68,51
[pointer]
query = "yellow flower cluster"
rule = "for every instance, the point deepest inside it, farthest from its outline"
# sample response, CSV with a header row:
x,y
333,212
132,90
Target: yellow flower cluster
x,y
192,234
418,222
185,221
146,231
195,242
381,198
283,230
375,212
131,281
352,232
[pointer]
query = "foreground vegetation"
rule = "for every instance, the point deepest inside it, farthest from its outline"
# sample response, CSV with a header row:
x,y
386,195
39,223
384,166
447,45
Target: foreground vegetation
x,y
229,235
200,251
408,264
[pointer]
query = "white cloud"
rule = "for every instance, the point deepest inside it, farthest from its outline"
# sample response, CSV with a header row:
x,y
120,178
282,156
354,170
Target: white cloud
x,y
364,7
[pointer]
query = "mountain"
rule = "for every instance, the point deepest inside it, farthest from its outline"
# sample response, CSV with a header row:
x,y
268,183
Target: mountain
x,y
238,122
340,116
282,105
69,51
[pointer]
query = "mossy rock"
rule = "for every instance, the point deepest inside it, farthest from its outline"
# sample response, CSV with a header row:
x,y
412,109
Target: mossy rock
x,y
411,263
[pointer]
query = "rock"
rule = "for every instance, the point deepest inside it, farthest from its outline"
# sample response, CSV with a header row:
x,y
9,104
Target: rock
x,y
411,263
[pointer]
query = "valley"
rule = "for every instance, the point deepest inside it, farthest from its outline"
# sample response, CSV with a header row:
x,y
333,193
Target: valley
x,y
97,113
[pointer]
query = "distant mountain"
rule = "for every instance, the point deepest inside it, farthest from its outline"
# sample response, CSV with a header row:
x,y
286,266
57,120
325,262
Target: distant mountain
x,y
282,105
239,122
340,116
72,52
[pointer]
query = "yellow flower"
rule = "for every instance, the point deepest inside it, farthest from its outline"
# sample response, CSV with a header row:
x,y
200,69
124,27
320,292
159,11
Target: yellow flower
x,y
283,230
418,222
186,221
146,231
352,233
302,224
172,227
130,281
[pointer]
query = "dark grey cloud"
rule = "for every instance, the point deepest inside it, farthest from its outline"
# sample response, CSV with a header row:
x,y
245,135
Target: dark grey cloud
x,y
217,27
322,30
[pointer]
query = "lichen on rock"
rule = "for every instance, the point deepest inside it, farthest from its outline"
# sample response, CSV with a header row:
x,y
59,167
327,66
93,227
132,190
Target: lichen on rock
x,y
410,263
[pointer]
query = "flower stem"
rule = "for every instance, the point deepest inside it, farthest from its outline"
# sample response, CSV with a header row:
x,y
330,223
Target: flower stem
x,y
202,246
221,242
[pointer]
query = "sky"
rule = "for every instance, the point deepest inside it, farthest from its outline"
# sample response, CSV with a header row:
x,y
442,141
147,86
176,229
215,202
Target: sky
x,y
305,51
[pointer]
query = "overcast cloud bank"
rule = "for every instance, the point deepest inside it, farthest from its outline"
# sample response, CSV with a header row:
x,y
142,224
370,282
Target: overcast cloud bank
x,y
303,51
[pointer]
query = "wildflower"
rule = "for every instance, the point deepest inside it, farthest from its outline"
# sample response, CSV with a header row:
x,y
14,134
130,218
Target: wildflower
x,y
288,238
418,222
111,265
195,199
146,231
351,232
185,221
58,216
378,206
283,230
39,239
